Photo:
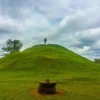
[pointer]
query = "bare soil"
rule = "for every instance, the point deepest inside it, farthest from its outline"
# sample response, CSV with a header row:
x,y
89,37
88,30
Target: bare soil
x,y
36,93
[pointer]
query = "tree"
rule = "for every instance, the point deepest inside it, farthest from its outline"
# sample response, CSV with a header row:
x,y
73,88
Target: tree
x,y
97,60
12,46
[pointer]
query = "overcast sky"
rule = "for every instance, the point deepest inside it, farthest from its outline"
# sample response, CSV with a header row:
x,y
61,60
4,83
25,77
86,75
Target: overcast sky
x,y
74,24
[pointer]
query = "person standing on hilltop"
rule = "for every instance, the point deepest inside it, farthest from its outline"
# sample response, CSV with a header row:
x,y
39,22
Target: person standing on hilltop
x,y
45,40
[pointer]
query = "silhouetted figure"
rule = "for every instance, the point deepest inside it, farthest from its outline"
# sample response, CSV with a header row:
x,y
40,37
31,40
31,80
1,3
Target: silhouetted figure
x,y
45,40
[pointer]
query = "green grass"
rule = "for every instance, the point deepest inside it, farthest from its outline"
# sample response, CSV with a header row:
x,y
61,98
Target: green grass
x,y
21,72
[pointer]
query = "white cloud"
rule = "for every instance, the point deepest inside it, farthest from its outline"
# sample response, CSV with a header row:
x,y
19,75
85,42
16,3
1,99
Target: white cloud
x,y
96,45
82,50
9,24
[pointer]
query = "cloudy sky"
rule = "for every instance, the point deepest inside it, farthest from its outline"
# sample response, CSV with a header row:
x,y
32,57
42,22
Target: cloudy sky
x,y
74,24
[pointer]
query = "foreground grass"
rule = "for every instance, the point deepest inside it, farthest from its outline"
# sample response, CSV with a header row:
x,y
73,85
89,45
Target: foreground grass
x,y
16,85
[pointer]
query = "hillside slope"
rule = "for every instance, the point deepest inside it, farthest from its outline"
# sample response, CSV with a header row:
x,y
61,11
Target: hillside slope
x,y
45,57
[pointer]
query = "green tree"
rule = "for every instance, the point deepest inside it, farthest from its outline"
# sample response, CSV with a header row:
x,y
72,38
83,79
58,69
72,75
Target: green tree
x,y
97,60
12,46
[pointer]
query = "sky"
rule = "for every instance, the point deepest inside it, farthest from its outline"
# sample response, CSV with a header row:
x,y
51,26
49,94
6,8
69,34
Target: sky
x,y
74,24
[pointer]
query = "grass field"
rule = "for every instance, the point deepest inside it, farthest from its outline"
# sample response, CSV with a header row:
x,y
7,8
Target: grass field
x,y
21,72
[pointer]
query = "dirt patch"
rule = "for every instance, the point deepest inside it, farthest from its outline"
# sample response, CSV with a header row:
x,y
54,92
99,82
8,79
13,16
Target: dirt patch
x,y
36,93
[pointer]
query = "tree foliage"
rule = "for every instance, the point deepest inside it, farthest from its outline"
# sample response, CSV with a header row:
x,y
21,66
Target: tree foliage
x,y
97,60
12,46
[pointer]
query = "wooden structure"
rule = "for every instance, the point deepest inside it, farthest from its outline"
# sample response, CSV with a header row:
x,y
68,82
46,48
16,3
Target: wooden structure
x,y
47,87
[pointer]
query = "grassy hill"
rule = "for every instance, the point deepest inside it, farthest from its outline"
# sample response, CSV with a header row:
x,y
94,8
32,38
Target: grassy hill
x,y
44,57
21,72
